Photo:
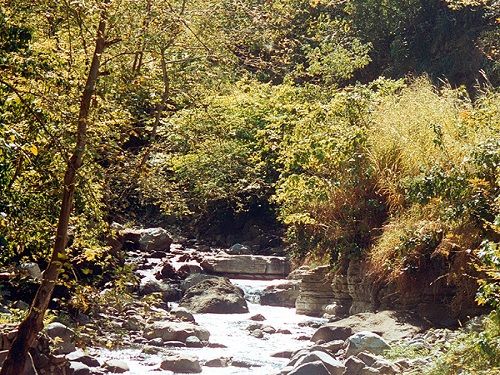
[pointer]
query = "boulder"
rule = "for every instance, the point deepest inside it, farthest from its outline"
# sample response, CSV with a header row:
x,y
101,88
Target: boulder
x,y
29,367
195,279
331,332
239,249
188,269
32,269
182,314
354,365
257,318
246,265
217,296
316,368
150,239
333,346
391,325
181,364
168,292
63,338
315,292
283,294
218,362
80,357
193,342
167,272
175,331
366,341
334,367
283,354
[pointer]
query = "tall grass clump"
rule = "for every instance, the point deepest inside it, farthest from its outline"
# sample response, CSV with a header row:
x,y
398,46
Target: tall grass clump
x,y
435,155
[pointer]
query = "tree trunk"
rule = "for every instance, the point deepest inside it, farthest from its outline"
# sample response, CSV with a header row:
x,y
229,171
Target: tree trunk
x,y
33,323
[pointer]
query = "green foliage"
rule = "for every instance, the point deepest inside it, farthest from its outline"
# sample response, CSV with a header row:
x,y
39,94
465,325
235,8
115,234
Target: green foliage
x,y
473,352
489,286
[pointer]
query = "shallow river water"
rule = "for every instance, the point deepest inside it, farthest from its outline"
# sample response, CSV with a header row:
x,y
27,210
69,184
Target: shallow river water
x,y
231,331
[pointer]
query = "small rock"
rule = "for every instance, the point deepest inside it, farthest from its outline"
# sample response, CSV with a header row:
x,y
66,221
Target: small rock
x,y
303,338
168,272
21,305
175,331
189,269
218,362
116,366
215,345
269,329
181,364
194,342
82,358
151,350
158,254
182,314
239,249
257,333
283,354
243,364
257,318
366,341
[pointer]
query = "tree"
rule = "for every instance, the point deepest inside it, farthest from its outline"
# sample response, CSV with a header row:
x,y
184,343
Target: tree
x,y
33,323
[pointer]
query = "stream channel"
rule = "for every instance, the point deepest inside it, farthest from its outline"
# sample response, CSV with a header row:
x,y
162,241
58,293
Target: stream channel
x,y
231,331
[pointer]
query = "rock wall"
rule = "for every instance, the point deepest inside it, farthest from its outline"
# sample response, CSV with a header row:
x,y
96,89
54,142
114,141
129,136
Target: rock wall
x,y
315,291
354,289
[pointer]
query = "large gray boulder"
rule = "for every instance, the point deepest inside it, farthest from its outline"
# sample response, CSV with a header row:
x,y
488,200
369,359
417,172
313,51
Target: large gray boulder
x,y
150,239
63,338
217,296
175,331
366,341
181,364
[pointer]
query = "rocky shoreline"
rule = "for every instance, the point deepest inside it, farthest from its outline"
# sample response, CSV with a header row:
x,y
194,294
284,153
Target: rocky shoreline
x,y
177,282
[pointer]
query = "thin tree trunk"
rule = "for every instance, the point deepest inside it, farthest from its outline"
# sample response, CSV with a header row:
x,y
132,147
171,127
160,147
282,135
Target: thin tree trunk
x,y
33,323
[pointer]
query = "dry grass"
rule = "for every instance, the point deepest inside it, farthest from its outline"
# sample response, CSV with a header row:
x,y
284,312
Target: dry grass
x,y
422,128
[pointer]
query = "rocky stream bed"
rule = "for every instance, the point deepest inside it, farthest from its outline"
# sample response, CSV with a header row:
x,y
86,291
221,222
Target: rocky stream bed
x,y
226,311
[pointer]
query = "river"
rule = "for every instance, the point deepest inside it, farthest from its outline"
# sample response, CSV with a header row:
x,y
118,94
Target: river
x,y
231,331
